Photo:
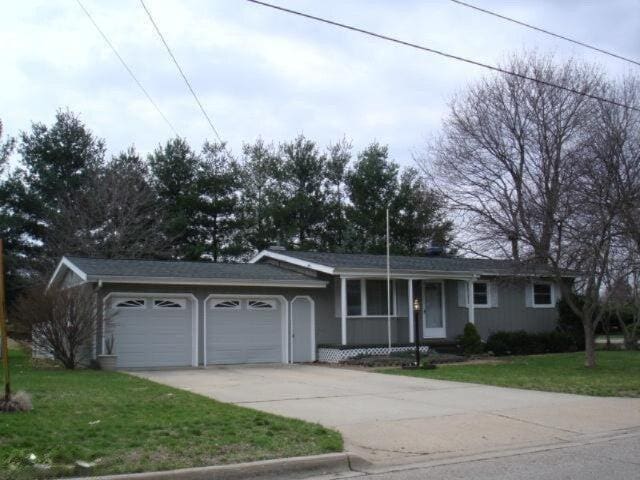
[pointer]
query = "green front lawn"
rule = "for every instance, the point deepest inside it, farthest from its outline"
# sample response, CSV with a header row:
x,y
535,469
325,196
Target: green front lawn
x,y
617,373
127,424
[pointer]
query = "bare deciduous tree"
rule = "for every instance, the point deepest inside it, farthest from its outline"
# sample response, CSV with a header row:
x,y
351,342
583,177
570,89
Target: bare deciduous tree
x,y
117,216
62,321
507,153
529,169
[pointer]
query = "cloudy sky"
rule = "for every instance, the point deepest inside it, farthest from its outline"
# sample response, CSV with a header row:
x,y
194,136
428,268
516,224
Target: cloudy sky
x,y
264,73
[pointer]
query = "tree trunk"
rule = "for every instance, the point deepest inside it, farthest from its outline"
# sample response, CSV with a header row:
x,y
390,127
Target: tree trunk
x,y
589,344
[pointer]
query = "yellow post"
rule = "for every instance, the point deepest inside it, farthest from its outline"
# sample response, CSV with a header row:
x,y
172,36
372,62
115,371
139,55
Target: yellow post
x,y
3,329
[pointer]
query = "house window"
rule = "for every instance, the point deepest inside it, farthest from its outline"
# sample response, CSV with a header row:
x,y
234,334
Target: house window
x,y
261,305
226,305
354,297
376,291
131,303
481,293
169,303
542,295
368,298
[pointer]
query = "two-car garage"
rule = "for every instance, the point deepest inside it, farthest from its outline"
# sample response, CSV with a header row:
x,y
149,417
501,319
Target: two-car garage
x,y
161,330
175,313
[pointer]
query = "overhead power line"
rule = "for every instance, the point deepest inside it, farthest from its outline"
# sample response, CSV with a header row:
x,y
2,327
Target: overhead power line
x,y
547,32
441,53
184,77
124,64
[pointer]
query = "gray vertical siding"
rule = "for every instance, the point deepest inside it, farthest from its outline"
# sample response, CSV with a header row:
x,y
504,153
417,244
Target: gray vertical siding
x,y
513,314
510,314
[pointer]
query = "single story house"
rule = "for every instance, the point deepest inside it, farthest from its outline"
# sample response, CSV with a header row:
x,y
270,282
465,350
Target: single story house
x,y
283,305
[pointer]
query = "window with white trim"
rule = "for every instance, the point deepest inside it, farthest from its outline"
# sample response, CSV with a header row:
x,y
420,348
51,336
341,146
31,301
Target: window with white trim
x,y
261,305
175,303
131,303
225,304
481,294
354,297
376,294
368,297
542,294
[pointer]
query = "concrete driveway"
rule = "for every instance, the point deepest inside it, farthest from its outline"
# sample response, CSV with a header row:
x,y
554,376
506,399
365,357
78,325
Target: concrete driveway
x,y
392,419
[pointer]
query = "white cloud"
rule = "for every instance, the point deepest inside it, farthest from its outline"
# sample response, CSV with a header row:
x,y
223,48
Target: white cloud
x,y
262,73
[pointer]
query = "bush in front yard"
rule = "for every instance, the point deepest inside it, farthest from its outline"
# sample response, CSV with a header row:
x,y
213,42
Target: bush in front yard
x,y
524,343
470,340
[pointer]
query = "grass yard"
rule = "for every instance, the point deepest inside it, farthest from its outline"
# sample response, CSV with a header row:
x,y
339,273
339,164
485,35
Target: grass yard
x,y
617,373
127,424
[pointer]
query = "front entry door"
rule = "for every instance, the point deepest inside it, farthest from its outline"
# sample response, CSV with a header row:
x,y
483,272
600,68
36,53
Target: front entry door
x,y
433,322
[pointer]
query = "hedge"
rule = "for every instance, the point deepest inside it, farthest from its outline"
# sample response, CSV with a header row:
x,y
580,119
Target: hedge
x,y
524,343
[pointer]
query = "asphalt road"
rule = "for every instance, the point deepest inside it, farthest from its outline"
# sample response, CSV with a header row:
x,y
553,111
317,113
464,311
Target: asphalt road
x,y
612,459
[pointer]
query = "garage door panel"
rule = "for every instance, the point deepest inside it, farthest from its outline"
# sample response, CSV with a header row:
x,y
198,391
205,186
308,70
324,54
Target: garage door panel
x,y
255,355
153,337
244,335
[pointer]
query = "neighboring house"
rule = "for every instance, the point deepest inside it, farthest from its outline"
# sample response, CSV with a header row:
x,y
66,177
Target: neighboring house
x,y
283,304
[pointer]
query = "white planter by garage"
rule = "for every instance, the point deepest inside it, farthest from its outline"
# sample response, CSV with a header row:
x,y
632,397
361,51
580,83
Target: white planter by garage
x,y
108,362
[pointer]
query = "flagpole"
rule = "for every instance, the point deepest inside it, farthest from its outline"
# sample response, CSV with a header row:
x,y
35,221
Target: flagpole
x,y
388,288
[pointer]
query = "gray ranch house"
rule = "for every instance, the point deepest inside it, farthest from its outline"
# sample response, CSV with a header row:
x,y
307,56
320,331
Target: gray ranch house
x,y
293,306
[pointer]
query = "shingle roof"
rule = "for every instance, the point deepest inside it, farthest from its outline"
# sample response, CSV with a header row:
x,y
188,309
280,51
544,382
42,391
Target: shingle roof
x,y
99,267
426,263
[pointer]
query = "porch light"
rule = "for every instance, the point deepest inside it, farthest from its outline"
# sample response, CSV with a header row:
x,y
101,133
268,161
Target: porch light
x,y
416,304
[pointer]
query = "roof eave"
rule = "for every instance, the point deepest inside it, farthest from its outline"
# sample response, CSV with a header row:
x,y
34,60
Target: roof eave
x,y
418,273
240,282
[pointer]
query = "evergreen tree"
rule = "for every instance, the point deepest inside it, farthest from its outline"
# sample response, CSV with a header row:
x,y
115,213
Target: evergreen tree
x,y
174,176
372,184
56,162
217,217
301,216
335,228
417,217
260,196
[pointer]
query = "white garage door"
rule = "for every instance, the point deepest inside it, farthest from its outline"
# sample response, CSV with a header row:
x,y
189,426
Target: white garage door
x,y
152,331
244,330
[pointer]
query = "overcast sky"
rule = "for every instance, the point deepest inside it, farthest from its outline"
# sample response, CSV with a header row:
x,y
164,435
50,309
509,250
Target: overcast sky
x,y
264,73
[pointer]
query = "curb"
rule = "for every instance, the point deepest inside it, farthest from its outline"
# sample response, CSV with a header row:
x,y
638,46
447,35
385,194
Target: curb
x,y
277,468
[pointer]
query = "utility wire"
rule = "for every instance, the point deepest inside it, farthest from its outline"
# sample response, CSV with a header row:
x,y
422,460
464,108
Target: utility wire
x,y
124,64
441,53
184,77
542,30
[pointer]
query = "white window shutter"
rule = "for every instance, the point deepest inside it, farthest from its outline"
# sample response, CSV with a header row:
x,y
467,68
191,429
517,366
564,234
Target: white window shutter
x,y
557,293
528,294
493,288
462,293
336,297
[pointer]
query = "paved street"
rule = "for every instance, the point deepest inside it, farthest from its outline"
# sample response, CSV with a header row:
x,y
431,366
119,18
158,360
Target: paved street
x,y
611,459
389,419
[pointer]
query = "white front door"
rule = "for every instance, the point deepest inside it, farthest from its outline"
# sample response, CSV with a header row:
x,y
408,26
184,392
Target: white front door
x,y
433,319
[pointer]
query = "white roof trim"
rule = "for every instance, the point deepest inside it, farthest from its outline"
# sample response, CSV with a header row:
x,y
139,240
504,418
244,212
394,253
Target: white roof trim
x,y
400,273
71,266
209,281
293,261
